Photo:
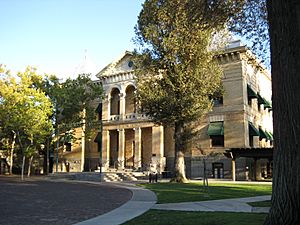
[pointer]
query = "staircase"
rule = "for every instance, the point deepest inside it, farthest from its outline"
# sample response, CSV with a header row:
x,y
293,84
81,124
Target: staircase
x,y
109,176
116,176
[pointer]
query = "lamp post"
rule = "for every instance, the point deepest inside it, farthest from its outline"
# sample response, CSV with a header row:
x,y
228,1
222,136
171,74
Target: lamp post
x,y
100,149
42,148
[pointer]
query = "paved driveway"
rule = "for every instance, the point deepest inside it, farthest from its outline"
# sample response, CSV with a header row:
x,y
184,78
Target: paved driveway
x,y
42,202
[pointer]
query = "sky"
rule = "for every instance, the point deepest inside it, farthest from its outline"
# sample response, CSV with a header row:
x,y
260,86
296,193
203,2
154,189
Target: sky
x,y
56,36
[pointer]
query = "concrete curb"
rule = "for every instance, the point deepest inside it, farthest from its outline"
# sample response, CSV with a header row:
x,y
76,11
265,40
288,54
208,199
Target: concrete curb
x,y
142,200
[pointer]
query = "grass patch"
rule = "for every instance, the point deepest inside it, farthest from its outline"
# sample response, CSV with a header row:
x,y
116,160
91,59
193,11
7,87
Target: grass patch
x,y
260,204
161,217
190,192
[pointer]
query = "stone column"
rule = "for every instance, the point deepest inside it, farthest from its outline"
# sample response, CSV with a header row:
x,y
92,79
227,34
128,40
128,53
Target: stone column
x,y
105,149
106,108
122,105
138,148
158,147
121,152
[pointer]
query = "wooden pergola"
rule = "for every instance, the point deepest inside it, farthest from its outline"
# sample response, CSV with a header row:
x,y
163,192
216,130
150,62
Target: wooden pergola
x,y
255,153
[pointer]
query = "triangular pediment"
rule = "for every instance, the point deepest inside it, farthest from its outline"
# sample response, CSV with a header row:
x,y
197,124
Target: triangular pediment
x,y
123,64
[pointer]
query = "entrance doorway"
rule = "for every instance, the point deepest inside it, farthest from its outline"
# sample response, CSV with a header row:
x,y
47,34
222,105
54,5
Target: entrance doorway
x,y
146,147
113,148
218,170
129,148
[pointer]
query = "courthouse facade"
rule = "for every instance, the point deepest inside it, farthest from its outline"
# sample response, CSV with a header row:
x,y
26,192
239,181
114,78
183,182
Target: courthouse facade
x,y
240,122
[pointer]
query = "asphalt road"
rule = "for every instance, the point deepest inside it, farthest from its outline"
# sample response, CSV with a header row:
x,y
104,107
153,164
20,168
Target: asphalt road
x,y
40,202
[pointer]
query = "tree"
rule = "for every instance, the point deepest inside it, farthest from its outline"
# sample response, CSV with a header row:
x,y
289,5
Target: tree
x,y
74,101
78,106
24,111
284,23
176,71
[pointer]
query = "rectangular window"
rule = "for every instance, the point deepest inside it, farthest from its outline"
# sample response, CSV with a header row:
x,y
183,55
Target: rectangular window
x,y
68,147
218,101
217,140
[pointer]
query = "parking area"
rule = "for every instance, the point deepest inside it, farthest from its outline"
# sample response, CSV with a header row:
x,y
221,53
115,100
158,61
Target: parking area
x,y
42,202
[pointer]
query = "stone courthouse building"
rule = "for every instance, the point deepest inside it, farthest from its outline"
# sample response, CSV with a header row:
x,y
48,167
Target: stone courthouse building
x,y
235,138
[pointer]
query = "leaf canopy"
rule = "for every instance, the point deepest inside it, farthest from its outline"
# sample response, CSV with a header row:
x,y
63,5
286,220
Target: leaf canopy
x,y
23,107
176,70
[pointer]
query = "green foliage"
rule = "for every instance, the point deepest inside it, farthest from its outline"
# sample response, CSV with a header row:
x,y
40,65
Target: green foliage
x,y
24,109
77,95
176,70
73,98
70,98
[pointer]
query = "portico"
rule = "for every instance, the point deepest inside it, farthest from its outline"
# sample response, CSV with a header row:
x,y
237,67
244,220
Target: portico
x,y
129,139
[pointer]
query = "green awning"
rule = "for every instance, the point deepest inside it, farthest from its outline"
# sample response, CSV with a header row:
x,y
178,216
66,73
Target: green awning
x,y
98,138
68,137
270,136
251,93
253,130
215,128
99,108
262,133
262,100
267,104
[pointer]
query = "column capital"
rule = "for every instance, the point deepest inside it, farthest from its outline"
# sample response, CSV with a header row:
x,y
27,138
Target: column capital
x,y
136,129
122,95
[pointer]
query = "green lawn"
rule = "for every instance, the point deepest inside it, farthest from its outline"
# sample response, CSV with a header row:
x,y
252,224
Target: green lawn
x,y
175,192
260,204
161,217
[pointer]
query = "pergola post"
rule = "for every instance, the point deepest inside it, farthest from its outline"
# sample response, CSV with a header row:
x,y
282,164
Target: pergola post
x,y
233,166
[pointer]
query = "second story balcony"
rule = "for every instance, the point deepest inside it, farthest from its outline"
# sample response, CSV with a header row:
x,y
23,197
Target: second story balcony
x,y
127,117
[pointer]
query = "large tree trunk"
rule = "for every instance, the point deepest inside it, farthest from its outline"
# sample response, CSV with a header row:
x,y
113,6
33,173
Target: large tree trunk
x,y
284,21
179,154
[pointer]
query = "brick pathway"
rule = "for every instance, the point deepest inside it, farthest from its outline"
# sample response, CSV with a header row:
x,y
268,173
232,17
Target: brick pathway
x,y
42,202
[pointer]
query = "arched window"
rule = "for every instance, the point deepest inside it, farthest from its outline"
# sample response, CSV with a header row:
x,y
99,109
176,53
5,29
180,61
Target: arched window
x,y
115,102
130,100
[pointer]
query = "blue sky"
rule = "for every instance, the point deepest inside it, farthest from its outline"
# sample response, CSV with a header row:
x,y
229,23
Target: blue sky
x,y
53,35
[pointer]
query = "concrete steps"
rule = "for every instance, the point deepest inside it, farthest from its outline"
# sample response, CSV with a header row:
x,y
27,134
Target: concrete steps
x,y
109,176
